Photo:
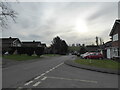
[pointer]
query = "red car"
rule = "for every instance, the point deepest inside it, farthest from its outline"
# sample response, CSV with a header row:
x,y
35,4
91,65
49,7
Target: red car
x,y
94,56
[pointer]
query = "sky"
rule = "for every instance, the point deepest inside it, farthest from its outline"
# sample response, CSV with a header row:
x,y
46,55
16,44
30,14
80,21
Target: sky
x,y
74,22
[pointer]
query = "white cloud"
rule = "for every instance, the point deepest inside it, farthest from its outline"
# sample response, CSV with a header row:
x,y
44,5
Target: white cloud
x,y
76,22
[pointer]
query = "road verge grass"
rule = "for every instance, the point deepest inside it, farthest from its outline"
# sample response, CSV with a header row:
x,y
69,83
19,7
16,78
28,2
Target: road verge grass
x,y
51,55
109,64
20,57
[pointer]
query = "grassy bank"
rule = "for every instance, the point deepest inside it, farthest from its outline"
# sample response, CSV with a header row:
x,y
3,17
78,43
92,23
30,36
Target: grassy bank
x,y
110,64
20,57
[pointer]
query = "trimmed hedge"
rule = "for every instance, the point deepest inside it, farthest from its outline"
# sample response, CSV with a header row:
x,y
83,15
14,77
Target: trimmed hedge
x,y
30,50
39,51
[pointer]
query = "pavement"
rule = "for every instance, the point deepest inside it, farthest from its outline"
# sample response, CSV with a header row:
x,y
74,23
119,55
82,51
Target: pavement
x,y
92,68
54,73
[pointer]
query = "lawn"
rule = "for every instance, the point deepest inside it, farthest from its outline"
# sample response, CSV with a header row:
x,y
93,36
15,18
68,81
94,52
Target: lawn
x,y
20,57
51,55
110,64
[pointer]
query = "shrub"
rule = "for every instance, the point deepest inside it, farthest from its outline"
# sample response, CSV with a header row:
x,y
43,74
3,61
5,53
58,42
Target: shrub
x,y
29,51
39,51
11,50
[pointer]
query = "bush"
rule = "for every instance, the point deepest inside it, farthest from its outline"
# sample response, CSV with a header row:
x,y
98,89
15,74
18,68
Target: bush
x,y
29,51
25,50
21,50
39,51
11,50
116,59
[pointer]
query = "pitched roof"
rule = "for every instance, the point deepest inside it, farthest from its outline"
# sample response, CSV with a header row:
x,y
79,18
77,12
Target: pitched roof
x,y
29,44
43,44
113,29
108,44
8,40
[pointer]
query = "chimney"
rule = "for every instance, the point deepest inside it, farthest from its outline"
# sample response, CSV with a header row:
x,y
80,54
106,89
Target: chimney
x,y
10,37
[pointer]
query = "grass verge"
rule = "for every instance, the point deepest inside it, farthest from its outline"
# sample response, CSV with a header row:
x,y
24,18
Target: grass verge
x,y
20,57
51,55
109,64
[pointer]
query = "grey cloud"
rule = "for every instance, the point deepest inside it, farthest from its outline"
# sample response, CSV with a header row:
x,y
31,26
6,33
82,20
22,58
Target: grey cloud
x,y
108,10
34,36
44,21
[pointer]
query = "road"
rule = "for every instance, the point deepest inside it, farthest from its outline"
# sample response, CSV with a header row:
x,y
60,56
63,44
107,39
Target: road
x,y
53,73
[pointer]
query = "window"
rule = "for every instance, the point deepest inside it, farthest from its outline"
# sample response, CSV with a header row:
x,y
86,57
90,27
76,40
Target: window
x,y
115,37
115,50
19,45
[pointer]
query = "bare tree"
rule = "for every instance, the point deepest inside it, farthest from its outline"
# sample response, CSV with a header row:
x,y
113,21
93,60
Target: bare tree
x,y
97,43
101,41
6,12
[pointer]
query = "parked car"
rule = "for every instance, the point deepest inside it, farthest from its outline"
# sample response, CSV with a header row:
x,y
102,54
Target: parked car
x,y
94,56
6,53
78,54
85,54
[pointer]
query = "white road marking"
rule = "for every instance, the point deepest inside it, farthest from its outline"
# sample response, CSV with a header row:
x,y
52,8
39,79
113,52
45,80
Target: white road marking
x,y
36,84
73,79
53,68
47,72
42,74
50,69
43,78
57,65
37,77
28,83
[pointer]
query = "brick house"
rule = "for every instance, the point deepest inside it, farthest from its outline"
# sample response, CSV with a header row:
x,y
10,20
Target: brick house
x,y
114,49
8,43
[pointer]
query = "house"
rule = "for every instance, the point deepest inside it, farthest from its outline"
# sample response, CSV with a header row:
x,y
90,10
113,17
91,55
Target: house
x,y
32,44
114,49
43,45
104,48
8,43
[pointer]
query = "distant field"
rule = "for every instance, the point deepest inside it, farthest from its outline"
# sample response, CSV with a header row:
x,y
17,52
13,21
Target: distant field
x,y
20,57
100,63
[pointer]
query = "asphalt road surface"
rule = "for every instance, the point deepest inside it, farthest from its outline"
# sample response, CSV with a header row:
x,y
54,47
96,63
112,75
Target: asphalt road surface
x,y
53,73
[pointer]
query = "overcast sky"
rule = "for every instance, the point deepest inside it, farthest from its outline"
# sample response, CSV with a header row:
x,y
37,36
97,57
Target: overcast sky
x,y
75,22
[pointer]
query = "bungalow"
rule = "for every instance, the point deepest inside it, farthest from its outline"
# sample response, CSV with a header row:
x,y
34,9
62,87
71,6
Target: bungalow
x,y
114,49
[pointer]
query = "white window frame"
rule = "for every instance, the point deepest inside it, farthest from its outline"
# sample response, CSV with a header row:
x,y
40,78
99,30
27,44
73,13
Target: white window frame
x,y
115,37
